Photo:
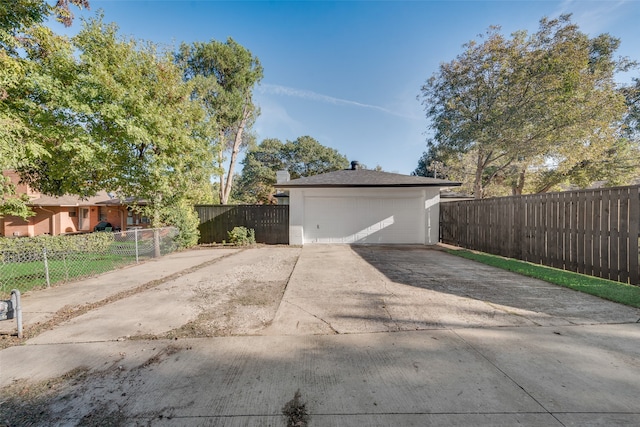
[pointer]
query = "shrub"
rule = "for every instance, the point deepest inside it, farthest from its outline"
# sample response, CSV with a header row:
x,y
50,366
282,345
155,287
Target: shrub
x,y
184,217
92,242
242,236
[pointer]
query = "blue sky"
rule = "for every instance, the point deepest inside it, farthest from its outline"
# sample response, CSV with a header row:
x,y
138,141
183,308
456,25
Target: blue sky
x,y
348,72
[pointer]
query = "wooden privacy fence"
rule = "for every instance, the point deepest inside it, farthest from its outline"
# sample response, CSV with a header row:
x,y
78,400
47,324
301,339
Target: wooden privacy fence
x,y
270,222
593,232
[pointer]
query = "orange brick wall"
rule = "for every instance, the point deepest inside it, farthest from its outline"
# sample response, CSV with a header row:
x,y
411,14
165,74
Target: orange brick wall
x,y
14,226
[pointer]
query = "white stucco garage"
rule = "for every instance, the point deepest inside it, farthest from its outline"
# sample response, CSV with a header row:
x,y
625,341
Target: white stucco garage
x,y
364,206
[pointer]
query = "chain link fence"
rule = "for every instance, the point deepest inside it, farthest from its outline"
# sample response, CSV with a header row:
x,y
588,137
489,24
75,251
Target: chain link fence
x,y
28,263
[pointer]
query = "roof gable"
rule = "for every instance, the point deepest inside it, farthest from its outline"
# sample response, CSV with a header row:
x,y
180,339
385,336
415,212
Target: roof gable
x,y
364,178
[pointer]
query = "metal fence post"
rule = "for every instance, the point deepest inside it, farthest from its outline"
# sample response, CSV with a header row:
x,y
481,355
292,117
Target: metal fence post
x,y
156,243
17,309
46,266
136,237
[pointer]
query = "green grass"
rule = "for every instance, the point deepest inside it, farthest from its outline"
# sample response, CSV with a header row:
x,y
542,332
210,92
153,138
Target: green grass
x,y
607,289
26,276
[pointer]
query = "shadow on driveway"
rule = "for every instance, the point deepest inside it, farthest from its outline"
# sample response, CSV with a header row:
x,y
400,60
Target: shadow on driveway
x,y
434,270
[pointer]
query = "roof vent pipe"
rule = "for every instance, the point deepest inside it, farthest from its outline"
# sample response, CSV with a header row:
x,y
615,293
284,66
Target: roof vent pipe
x,y
355,165
282,176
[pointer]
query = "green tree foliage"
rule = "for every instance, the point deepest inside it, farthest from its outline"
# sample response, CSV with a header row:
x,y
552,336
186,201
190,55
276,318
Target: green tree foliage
x,y
18,15
24,123
631,125
224,75
530,111
108,112
304,156
259,167
432,164
151,135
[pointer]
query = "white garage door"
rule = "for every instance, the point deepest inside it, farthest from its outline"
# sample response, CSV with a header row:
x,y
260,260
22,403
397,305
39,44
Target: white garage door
x,y
363,220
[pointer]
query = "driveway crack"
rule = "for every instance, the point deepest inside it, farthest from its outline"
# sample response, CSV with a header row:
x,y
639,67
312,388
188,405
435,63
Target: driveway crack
x,y
488,360
313,315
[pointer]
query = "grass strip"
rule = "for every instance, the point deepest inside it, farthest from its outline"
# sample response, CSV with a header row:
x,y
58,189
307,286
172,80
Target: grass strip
x,y
613,291
26,276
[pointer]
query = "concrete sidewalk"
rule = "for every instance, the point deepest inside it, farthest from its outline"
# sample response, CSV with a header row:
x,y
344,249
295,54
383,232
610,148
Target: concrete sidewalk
x,y
368,336
565,376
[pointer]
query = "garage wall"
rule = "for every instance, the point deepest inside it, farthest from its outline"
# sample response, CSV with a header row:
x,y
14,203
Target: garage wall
x,y
364,215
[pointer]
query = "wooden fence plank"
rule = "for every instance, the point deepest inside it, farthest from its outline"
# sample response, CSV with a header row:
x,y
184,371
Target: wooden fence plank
x,y
634,238
581,207
605,217
564,231
623,235
589,232
574,232
552,237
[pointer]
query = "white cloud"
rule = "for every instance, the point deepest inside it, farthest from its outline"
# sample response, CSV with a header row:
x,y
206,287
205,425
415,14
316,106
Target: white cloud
x,y
594,17
313,96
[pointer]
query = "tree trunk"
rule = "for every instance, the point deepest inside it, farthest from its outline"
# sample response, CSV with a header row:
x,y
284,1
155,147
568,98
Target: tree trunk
x,y
517,189
155,223
225,190
220,162
477,183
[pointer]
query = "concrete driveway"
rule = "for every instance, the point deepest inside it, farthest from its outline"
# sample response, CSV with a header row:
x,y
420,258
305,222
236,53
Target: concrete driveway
x,y
343,289
368,335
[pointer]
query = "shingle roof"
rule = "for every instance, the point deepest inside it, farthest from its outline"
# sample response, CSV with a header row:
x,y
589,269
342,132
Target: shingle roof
x,y
365,178
102,198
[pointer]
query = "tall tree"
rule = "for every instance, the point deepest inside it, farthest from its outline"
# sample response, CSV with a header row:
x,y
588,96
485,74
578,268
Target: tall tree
x,y
516,103
224,75
432,164
304,156
119,117
259,166
151,131
24,41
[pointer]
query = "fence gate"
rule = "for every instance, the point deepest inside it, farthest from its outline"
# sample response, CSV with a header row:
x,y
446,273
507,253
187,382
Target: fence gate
x,y
270,222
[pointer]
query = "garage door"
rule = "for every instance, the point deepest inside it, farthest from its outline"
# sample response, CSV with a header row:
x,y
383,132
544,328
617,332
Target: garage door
x,y
363,220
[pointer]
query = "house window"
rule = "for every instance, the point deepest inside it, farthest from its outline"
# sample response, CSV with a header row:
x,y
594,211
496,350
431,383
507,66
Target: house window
x,y
72,214
102,213
134,218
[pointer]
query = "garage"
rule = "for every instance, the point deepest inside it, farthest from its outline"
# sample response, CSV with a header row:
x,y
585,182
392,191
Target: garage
x,y
358,219
356,206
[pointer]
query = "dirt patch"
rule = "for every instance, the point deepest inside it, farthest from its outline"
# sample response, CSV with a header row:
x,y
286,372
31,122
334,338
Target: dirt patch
x,y
242,301
84,398
25,403
296,412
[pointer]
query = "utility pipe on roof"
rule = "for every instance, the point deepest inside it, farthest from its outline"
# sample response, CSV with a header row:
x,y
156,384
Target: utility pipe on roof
x,y
52,223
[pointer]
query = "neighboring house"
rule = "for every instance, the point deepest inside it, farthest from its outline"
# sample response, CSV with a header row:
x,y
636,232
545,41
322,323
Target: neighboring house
x,y
68,214
364,206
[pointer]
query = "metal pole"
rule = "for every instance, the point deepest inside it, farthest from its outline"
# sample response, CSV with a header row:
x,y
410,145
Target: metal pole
x,y
46,266
136,234
17,308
